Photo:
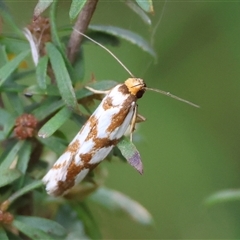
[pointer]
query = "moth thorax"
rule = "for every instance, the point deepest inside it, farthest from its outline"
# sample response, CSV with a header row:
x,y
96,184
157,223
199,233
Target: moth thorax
x,y
136,86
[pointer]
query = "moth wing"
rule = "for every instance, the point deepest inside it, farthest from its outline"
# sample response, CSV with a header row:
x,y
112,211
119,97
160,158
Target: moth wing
x,y
93,143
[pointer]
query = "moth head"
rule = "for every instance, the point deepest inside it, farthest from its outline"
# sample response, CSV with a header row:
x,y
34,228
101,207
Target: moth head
x,y
136,86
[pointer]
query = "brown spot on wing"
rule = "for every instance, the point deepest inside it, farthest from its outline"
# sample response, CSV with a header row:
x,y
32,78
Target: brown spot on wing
x,y
86,157
118,118
72,172
69,182
123,89
108,103
104,142
73,147
93,128
60,165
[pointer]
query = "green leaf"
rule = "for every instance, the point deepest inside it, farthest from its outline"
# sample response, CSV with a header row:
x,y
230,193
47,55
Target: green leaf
x,y
54,32
7,122
14,45
32,233
55,123
46,225
41,72
51,90
41,6
75,8
55,38
55,144
62,77
83,213
17,105
127,35
8,19
146,5
114,200
7,176
31,186
10,67
3,56
10,156
103,85
3,235
132,5
67,217
24,157
130,152
49,106
12,87
223,197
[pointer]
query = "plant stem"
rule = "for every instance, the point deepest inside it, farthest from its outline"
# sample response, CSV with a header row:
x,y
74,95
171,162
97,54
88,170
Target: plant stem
x,y
81,25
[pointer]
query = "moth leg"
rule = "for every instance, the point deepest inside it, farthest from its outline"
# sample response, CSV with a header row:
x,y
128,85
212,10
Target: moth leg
x,y
140,118
137,118
97,91
132,124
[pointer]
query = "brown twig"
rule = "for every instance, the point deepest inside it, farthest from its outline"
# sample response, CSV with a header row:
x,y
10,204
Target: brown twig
x,y
80,25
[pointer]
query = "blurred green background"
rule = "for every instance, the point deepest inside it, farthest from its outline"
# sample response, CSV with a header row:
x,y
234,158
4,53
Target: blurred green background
x,y
188,153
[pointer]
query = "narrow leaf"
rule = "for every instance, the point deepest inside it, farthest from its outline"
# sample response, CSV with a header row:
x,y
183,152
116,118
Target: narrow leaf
x,y
3,235
75,8
32,233
41,6
31,186
55,123
7,176
56,39
55,144
223,197
17,105
12,87
67,217
8,19
9,67
127,35
41,72
3,55
14,45
46,225
7,122
11,155
131,154
24,157
114,200
103,85
53,23
62,77
132,5
83,213
146,5
51,90
49,106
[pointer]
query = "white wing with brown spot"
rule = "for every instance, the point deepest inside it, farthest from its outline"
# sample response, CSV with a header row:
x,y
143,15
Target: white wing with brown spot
x,y
93,143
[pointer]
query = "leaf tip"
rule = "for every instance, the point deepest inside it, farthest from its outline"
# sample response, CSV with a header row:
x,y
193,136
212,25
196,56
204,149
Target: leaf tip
x,y
42,135
135,161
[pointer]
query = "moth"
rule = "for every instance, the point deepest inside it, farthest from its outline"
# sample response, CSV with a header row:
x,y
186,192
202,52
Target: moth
x,y
102,131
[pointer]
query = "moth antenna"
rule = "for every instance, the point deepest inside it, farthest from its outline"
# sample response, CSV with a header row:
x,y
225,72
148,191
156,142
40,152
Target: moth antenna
x,y
118,60
99,44
173,96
